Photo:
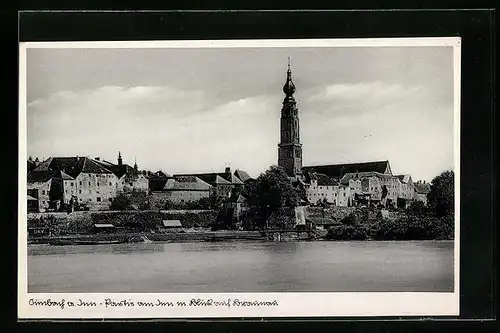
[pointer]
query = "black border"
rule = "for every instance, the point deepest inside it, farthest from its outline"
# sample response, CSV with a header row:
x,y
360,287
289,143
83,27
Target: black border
x,y
477,280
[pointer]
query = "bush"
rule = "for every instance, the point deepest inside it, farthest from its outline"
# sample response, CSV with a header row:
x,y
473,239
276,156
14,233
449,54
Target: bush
x,y
121,202
346,232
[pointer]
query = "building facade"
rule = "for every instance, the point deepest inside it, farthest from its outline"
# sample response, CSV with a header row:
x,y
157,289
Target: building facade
x,y
181,190
222,182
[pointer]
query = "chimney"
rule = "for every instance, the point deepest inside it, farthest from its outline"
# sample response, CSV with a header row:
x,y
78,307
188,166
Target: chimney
x,y
228,170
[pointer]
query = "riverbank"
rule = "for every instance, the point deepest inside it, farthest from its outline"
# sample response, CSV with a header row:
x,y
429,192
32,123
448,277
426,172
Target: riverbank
x,y
145,237
338,223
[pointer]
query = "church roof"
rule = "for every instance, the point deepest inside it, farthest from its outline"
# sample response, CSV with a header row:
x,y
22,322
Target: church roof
x,y
339,170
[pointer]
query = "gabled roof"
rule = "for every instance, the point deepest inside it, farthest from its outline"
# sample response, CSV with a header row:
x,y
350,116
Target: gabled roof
x,y
242,175
72,166
339,170
422,188
215,178
38,176
322,179
30,198
237,199
186,183
160,174
404,178
92,166
359,175
65,176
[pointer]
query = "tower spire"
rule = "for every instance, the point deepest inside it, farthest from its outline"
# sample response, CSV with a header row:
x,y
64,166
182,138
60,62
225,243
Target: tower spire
x,y
120,158
290,148
289,87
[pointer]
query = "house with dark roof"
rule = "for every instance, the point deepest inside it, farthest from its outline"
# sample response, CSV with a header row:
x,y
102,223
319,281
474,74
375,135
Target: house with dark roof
x,y
242,175
180,190
322,188
422,189
235,206
81,180
338,171
222,182
39,186
130,179
373,187
157,180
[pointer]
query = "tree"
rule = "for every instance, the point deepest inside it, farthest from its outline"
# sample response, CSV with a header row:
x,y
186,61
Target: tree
x,y
441,197
121,202
271,192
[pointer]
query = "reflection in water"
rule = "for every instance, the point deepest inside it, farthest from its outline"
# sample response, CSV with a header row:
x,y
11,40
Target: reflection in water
x,y
251,266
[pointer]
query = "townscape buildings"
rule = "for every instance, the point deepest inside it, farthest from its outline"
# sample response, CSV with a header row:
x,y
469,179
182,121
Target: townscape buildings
x,y
91,183
366,183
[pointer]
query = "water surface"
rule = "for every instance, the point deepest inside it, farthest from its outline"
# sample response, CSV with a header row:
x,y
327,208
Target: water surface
x,y
242,267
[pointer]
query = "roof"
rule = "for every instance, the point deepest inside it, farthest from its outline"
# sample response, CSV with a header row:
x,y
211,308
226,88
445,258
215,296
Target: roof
x,y
242,175
339,170
186,183
159,175
359,175
103,225
422,188
322,179
73,166
172,223
215,178
237,199
404,178
40,177
30,198
65,176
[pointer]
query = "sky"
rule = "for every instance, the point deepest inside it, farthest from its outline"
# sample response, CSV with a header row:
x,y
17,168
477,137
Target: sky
x,y
199,110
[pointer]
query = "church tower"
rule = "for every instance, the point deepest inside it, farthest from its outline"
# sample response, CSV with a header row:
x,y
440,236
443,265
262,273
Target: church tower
x,y
290,148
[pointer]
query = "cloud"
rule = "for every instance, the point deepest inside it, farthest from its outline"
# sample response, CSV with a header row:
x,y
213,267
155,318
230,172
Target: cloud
x,y
180,130
176,130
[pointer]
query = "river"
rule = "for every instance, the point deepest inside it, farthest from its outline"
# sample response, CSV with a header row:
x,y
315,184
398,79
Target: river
x,y
251,266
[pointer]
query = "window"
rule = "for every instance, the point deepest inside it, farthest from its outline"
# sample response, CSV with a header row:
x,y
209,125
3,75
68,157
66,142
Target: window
x,y
80,191
110,183
66,191
110,199
89,183
81,183
98,199
97,183
72,184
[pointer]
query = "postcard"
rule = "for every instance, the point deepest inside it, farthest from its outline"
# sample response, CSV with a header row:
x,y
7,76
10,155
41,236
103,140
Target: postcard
x,y
239,178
